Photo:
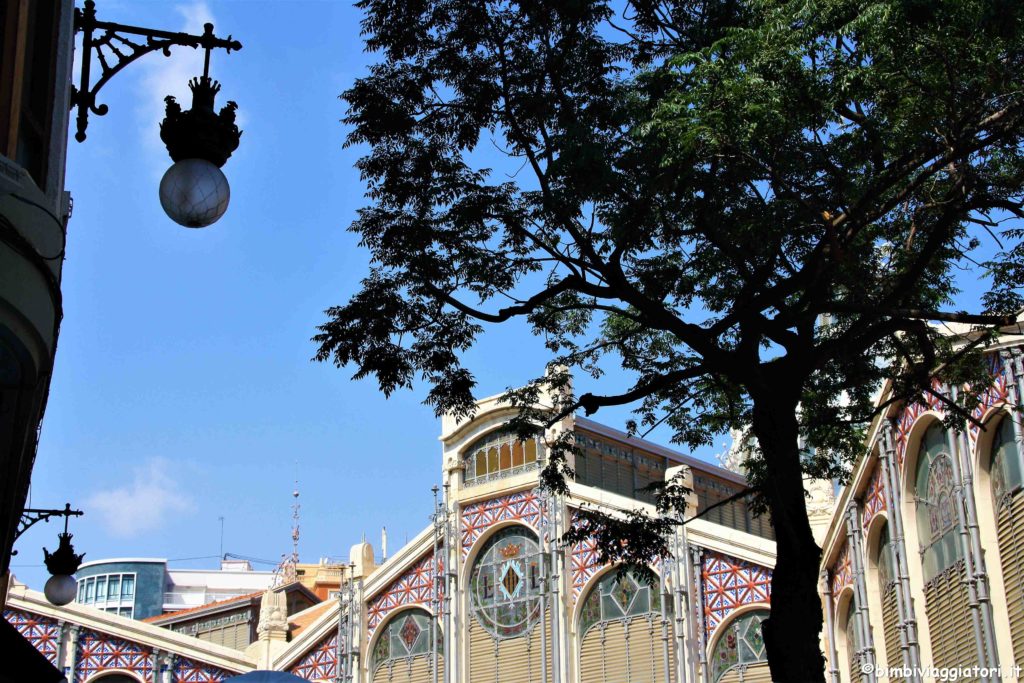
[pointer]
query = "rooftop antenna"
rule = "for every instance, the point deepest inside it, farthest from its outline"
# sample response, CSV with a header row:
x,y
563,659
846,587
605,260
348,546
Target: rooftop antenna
x,y
383,544
221,518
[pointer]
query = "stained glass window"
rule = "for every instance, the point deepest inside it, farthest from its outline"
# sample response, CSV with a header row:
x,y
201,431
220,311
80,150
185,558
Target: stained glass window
x,y
1005,470
500,454
406,635
740,643
884,559
618,597
505,584
937,521
852,640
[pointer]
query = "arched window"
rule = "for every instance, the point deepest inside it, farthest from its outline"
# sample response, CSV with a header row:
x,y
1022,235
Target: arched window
x,y
885,562
741,644
505,583
1004,472
500,454
884,559
852,642
937,522
406,635
617,597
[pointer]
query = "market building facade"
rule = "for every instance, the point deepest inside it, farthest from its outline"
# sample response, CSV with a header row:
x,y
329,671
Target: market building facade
x,y
486,592
922,563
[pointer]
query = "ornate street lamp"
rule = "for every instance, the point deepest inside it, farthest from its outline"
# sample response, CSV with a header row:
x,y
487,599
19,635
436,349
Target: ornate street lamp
x,y
193,192
62,563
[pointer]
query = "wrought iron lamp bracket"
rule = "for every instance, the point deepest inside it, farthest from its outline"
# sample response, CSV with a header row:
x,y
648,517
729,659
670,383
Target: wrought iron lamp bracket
x,y
126,51
33,515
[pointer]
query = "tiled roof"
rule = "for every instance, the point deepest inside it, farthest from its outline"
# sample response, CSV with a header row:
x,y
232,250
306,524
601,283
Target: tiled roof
x,y
219,603
306,617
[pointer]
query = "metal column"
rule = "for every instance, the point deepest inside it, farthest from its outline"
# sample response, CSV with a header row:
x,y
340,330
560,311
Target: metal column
x,y
978,559
866,653
966,549
833,670
904,600
698,602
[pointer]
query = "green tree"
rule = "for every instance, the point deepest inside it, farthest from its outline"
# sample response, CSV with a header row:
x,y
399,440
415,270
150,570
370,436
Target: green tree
x,y
745,203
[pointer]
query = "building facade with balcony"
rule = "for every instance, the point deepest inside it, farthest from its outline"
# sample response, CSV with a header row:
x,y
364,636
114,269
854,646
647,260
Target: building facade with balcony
x,y
35,90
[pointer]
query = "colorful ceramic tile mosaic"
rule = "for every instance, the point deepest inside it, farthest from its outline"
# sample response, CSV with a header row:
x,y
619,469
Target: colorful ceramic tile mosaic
x,y
874,497
908,416
191,671
42,632
584,561
729,583
523,506
321,662
841,574
102,652
411,588
996,394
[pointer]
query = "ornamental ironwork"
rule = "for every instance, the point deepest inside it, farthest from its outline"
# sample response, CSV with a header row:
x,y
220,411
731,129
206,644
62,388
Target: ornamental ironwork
x,y
115,51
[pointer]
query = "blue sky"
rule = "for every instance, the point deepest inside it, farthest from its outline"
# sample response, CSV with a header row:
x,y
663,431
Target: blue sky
x,y
183,389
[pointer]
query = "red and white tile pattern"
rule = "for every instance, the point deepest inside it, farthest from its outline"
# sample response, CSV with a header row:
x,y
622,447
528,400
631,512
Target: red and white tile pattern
x,y
188,670
411,588
321,662
42,632
996,394
841,574
909,416
98,652
523,506
584,561
874,497
729,583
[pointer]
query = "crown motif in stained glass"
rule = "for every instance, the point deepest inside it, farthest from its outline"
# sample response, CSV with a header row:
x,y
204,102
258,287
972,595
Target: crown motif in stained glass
x,y
510,550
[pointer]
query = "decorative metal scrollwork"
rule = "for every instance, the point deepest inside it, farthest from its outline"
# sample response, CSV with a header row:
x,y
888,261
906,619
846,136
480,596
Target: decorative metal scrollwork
x,y
33,515
112,44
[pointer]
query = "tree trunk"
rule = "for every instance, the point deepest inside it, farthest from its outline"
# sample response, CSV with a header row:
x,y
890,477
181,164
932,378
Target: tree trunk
x,y
792,631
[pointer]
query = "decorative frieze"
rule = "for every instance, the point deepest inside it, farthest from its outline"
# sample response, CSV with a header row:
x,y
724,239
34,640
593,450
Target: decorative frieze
x,y
523,506
411,588
729,583
321,662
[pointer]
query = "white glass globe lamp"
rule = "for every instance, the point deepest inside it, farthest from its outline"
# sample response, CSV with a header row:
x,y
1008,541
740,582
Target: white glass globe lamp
x,y
194,193
61,589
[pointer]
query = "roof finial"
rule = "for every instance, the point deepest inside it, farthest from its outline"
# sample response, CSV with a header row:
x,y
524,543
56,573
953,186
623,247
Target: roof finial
x,y
286,572
295,522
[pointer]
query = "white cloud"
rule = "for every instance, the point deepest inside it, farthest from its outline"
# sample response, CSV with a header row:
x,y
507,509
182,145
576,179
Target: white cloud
x,y
163,76
143,505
